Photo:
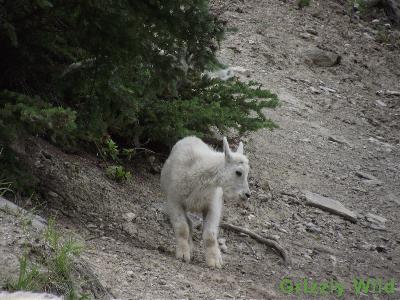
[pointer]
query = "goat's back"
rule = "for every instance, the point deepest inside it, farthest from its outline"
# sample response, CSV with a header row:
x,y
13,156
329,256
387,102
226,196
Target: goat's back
x,y
183,158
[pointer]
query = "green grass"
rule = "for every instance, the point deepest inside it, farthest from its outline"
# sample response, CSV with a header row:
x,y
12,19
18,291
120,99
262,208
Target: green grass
x,y
118,173
29,278
303,3
54,270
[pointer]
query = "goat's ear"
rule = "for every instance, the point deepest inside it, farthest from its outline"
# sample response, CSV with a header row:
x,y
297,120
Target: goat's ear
x,y
227,150
240,148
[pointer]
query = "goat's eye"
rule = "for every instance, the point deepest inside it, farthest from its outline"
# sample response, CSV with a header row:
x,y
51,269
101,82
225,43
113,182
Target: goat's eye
x,y
238,173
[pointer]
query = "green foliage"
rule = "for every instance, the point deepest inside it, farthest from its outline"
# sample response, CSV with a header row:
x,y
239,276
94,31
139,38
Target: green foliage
x,y
56,273
128,153
110,149
63,252
77,71
303,3
210,102
359,5
22,113
118,173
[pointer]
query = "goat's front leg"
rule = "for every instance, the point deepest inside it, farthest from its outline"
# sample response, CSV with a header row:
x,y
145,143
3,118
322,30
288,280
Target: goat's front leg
x,y
182,231
210,230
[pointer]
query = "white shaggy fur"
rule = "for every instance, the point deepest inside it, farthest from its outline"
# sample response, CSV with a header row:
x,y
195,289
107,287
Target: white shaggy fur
x,y
195,178
27,296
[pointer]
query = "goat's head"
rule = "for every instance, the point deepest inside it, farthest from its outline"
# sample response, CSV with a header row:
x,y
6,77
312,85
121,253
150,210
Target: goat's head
x,y
236,171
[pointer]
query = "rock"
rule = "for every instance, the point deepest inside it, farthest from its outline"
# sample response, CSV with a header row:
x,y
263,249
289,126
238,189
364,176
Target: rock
x,y
365,175
381,248
339,140
312,31
52,194
380,103
305,140
329,205
222,245
28,296
228,73
377,226
368,36
366,246
130,273
241,70
311,227
306,36
37,221
91,226
321,58
315,90
375,219
129,217
327,89
375,21
388,93
264,197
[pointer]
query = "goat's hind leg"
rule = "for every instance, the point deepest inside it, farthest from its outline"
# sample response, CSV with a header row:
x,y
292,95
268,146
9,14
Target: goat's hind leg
x,y
182,231
190,223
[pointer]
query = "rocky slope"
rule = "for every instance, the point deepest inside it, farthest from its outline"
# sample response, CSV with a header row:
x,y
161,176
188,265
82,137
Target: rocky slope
x,y
338,79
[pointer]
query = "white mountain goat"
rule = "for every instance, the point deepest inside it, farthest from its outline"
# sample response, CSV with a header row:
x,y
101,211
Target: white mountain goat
x,y
195,178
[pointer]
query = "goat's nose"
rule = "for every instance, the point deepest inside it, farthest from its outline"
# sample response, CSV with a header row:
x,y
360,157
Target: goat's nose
x,y
247,195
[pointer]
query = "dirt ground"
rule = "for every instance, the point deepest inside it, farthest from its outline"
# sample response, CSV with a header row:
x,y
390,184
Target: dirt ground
x,y
338,125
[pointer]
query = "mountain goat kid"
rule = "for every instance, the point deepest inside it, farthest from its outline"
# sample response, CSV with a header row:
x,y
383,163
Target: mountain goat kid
x,y
194,178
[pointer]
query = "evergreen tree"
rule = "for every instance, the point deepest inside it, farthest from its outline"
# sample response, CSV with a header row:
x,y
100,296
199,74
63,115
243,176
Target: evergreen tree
x,y
74,71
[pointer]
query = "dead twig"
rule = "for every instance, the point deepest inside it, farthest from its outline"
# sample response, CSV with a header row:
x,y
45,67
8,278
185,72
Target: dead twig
x,y
266,240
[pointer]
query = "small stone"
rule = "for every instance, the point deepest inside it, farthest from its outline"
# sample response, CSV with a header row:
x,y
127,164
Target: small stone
x,y
368,36
321,58
366,246
380,103
312,31
130,273
388,25
264,196
375,218
375,21
251,216
327,89
282,230
315,90
388,93
339,140
306,140
381,248
222,245
305,35
162,282
129,217
241,70
53,194
364,175
377,226
311,227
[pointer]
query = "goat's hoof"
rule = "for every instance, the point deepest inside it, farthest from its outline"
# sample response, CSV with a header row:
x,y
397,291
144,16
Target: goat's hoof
x,y
214,258
183,254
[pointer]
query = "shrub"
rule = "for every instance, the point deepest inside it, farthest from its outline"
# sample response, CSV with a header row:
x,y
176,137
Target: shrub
x,y
118,173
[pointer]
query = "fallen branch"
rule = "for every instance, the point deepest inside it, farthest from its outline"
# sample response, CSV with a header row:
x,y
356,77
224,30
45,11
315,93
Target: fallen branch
x,y
266,240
